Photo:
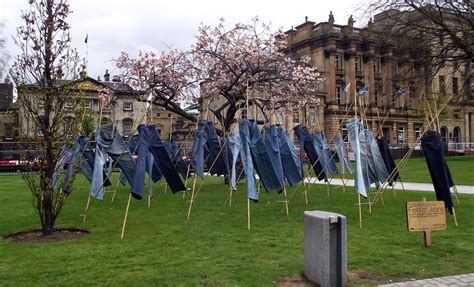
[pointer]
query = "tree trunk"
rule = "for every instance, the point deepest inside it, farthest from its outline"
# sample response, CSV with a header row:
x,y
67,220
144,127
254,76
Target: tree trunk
x,y
48,220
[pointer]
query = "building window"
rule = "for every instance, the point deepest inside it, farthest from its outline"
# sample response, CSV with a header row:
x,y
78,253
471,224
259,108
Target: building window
x,y
312,117
158,115
345,137
442,84
169,115
377,65
128,106
338,94
417,132
401,135
455,86
338,61
8,131
127,125
358,63
88,104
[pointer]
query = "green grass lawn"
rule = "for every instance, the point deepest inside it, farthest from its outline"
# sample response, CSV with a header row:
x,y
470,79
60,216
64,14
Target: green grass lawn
x,y
214,247
416,170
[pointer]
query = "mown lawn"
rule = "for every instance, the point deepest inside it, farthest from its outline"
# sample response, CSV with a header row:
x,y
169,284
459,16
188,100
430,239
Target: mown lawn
x,y
214,247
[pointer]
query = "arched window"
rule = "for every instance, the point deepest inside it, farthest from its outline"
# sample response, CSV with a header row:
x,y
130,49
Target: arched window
x,y
127,126
105,120
444,134
457,134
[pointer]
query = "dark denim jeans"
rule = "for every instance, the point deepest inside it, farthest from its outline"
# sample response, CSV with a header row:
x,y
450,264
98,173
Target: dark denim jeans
x,y
384,149
261,160
216,158
288,158
342,154
432,145
272,144
110,142
150,141
175,153
322,149
306,145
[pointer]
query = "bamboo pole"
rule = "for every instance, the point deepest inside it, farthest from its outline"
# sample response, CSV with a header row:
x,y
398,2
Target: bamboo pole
x,y
248,213
126,215
360,212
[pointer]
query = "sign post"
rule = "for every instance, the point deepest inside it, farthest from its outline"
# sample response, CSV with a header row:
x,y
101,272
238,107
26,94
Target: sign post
x,y
426,216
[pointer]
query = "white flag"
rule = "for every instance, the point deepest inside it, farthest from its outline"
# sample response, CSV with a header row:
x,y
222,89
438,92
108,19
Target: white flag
x,y
347,88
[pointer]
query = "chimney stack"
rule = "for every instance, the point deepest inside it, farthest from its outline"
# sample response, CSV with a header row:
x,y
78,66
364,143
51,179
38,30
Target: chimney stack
x,y
107,75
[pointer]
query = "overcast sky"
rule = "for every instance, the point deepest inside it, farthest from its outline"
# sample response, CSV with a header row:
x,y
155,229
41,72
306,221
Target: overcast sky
x,y
133,25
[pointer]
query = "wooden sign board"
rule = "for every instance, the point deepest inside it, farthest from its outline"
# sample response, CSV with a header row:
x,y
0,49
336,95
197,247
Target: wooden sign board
x,y
426,216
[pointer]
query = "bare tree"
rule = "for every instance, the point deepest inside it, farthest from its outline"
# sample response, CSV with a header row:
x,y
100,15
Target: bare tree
x,y
438,34
44,72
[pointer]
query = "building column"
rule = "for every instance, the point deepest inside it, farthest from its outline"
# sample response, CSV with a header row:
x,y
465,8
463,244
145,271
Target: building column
x,y
471,126
467,128
394,133
410,133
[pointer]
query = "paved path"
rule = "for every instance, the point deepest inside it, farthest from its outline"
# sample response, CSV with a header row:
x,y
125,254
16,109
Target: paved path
x,y
456,280
464,189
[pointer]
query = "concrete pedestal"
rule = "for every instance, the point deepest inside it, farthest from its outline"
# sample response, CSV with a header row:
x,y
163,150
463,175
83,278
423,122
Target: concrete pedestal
x,y
325,248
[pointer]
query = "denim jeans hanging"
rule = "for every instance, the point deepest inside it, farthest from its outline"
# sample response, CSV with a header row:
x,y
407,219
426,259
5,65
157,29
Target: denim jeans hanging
x,y
288,158
216,158
244,131
197,151
355,132
272,144
432,145
384,149
109,142
175,154
307,146
342,154
150,141
322,149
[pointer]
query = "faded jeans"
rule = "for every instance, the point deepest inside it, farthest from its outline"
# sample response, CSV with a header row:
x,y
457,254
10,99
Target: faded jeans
x,y
150,141
355,131
110,142
342,154
235,146
244,130
197,152
322,148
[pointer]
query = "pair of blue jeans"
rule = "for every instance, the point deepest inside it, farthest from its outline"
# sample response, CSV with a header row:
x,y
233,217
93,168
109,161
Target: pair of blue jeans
x,y
175,153
216,162
376,164
288,157
235,146
244,132
384,149
342,154
197,151
272,144
259,154
322,149
307,146
109,142
150,141
355,132
432,145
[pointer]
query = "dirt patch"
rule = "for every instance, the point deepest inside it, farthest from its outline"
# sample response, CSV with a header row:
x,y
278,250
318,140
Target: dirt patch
x,y
297,280
36,235
356,278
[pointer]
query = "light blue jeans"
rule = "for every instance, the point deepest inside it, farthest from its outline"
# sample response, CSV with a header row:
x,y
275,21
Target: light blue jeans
x,y
248,163
235,146
342,154
355,132
322,148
